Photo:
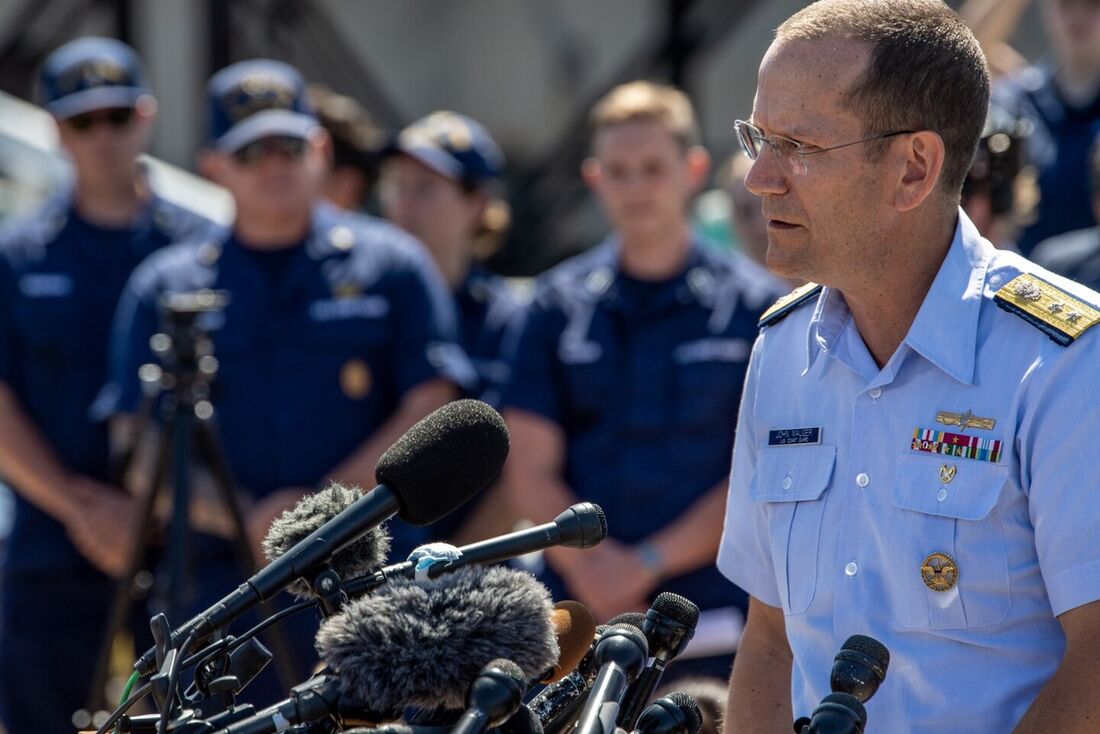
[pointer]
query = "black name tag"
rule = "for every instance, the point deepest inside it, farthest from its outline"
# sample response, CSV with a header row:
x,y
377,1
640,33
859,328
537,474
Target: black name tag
x,y
794,436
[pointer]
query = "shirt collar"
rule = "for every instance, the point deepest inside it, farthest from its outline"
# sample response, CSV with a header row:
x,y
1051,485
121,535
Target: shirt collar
x,y
945,331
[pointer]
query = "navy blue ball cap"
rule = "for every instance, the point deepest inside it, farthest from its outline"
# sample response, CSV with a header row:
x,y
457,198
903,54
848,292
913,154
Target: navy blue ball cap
x,y
90,74
452,145
256,99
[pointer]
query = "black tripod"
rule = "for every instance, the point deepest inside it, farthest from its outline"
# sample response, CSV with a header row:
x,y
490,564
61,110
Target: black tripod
x,y
181,386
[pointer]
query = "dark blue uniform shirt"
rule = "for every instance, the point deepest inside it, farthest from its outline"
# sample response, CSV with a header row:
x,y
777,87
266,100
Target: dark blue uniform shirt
x,y
1058,147
645,381
486,306
60,279
316,347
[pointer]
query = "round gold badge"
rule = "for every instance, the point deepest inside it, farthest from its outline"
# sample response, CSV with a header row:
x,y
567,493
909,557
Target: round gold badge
x,y
355,379
940,572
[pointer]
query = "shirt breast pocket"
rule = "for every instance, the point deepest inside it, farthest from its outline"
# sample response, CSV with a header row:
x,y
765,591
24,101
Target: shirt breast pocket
x,y
957,518
792,481
707,395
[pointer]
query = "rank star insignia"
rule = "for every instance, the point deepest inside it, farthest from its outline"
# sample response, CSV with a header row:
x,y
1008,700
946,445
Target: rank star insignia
x,y
965,420
939,572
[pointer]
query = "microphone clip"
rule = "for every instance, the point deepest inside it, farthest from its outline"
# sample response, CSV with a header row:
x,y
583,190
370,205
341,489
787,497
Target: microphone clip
x,y
328,587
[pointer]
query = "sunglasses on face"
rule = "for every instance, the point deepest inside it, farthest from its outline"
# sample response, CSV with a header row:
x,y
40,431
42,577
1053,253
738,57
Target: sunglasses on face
x,y
281,146
116,118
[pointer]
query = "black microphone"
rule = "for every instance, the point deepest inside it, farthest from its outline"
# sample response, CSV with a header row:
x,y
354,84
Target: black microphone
x,y
838,713
582,525
437,465
420,643
556,705
859,667
621,654
494,696
311,513
669,626
676,713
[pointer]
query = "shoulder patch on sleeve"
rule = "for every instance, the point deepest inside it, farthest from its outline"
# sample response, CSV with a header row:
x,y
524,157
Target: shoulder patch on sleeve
x,y
1047,307
779,310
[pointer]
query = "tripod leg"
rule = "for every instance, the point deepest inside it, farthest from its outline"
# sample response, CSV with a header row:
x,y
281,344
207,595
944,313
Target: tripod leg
x,y
246,560
120,605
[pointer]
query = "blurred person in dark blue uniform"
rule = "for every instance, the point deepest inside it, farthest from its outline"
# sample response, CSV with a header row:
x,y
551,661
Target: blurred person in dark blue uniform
x,y
1060,99
356,142
1076,254
61,271
439,183
627,374
338,334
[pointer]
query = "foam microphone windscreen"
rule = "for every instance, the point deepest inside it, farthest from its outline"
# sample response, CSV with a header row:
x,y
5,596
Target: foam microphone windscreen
x,y
574,627
421,643
444,460
311,512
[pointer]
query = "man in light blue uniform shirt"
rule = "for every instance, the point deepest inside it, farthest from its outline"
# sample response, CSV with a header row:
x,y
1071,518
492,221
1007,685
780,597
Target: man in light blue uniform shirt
x,y
914,456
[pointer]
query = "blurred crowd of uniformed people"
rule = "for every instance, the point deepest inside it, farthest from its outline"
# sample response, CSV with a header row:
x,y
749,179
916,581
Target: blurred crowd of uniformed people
x,y
618,371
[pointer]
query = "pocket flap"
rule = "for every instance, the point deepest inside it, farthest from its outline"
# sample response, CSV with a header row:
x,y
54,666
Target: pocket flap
x,y
971,493
792,473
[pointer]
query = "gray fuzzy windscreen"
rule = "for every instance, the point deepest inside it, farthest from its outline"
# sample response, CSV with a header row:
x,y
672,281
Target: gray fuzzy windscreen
x,y
421,643
311,512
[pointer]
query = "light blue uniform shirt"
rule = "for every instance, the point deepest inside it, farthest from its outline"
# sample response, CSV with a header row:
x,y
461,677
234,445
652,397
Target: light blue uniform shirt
x,y
836,532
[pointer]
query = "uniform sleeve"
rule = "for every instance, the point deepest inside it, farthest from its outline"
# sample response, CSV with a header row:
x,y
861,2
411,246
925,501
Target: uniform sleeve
x,y
135,322
531,350
744,555
1060,471
427,337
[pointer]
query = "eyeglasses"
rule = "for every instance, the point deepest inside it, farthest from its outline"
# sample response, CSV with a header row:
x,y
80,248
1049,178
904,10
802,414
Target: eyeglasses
x,y
116,118
787,151
255,152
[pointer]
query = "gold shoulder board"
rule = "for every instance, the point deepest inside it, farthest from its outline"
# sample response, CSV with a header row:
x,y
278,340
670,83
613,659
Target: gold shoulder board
x,y
1047,307
779,310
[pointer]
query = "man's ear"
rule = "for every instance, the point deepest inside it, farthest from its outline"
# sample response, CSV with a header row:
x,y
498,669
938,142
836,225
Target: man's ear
x,y
211,165
924,158
698,160
591,172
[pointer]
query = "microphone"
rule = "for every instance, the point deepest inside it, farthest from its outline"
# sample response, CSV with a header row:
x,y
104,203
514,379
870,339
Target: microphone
x,y
494,696
574,628
859,668
556,704
621,654
361,556
419,643
676,713
838,713
582,525
669,626
465,442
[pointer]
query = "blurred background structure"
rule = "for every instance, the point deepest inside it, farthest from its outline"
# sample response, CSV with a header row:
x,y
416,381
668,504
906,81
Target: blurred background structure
x,y
528,69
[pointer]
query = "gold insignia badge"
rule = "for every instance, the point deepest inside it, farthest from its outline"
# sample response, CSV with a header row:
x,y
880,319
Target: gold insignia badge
x,y
947,473
940,572
355,379
1056,313
965,420
346,290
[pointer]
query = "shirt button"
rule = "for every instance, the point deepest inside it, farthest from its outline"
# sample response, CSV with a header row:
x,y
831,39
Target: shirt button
x,y
941,495
851,569
862,479
875,393
787,482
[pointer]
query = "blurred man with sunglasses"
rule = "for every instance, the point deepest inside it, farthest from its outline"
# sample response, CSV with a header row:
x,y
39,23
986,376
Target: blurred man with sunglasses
x,y
915,456
339,333
61,272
